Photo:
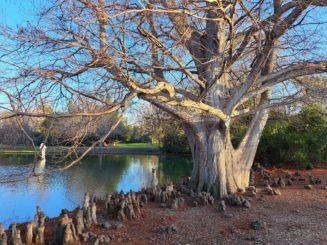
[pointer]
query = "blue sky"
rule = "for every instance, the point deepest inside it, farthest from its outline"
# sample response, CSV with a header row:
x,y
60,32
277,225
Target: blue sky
x,y
16,12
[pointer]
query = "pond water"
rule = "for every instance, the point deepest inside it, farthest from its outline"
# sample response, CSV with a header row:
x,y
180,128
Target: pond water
x,y
98,174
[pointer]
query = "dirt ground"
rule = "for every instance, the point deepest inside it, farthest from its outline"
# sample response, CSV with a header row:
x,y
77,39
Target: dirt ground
x,y
298,216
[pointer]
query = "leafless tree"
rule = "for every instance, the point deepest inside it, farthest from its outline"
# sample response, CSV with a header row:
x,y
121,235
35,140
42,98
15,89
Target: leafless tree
x,y
201,61
11,134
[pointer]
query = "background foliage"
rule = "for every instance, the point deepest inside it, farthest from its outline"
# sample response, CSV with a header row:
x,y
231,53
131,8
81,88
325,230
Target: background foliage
x,y
295,137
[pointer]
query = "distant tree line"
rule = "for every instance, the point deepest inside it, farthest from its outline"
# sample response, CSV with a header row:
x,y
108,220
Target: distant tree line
x,y
11,133
293,136
67,131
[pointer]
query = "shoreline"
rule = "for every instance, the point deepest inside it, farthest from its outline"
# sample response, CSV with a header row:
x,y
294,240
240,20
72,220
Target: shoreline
x,y
96,151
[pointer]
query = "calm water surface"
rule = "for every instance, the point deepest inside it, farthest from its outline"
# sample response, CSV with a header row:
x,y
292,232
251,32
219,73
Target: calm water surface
x,y
97,174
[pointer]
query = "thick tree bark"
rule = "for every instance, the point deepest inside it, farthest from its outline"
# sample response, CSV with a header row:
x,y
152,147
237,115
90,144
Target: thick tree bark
x,y
217,166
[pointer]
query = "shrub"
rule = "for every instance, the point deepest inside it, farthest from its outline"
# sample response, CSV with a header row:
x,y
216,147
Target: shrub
x,y
299,140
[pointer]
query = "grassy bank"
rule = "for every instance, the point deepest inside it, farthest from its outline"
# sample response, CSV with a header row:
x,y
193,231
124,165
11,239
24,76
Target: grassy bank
x,y
29,150
134,145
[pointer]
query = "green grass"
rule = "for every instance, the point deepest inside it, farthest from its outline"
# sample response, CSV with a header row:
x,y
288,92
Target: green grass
x,y
134,145
29,150
16,151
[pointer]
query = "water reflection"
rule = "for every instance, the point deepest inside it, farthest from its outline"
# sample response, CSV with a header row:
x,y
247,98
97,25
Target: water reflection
x,y
96,174
40,165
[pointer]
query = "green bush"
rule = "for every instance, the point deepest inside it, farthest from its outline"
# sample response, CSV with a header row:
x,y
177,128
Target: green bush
x,y
299,140
175,142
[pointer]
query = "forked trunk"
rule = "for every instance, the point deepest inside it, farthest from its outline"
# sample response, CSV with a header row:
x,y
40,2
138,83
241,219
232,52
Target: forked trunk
x,y
217,166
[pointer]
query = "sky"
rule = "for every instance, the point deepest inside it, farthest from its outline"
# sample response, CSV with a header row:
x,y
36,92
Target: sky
x,y
16,12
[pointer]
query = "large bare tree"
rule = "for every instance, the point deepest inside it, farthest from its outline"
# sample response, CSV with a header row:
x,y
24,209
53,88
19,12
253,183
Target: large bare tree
x,y
207,63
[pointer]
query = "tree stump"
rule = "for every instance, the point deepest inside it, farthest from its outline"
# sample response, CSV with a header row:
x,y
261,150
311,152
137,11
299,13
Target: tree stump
x,y
79,221
3,235
94,213
251,181
108,199
130,211
15,238
39,235
66,232
86,203
87,217
29,233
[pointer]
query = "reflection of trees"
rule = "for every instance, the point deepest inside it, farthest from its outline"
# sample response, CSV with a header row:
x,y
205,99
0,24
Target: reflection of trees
x,y
39,180
39,170
13,159
95,172
171,168
105,173
140,173
148,161
40,165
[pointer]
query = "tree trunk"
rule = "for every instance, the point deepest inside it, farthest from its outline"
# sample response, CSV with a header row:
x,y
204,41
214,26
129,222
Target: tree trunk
x,y
217,166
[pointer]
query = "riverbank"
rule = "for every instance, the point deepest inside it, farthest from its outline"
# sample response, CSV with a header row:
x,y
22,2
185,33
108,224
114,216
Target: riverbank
x,y
132,148
297,215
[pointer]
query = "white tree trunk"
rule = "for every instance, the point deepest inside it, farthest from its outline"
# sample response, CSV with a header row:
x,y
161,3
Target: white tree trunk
x,y
217,166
